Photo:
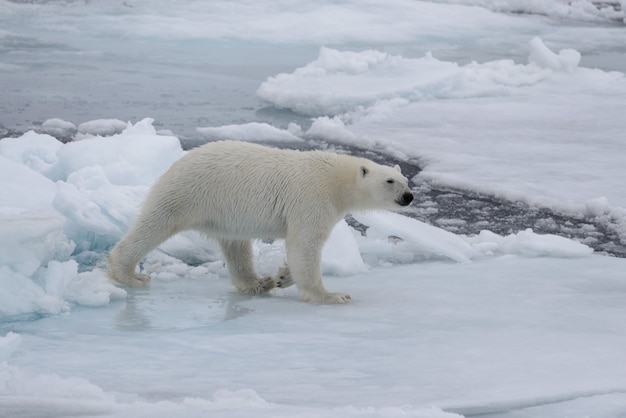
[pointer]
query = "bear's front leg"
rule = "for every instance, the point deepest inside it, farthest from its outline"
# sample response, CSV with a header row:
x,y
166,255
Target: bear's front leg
x,y
304,256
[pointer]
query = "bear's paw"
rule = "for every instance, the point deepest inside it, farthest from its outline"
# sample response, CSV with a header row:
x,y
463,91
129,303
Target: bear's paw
x,y
135,280
283,278
326,298
264,284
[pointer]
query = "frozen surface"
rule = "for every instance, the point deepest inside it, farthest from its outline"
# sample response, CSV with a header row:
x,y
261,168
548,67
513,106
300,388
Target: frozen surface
x,y
495,335
440,324
517,101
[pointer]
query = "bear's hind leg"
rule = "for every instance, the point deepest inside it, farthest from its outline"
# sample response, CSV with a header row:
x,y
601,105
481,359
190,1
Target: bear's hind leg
x,y
143,237
123,260
238,255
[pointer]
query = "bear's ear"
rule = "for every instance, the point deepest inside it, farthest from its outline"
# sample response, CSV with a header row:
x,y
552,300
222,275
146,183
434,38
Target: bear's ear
x,y
364,170
397,167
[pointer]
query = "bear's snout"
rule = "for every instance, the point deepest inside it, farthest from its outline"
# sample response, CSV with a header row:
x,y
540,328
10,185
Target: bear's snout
x,y
406,199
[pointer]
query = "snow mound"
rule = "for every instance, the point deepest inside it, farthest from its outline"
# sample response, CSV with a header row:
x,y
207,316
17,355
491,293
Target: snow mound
x,y
337,82
342,81
59,128
249,132
529,244
423,237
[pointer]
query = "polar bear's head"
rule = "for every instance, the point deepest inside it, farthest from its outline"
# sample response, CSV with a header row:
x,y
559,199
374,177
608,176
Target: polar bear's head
x,y
383,187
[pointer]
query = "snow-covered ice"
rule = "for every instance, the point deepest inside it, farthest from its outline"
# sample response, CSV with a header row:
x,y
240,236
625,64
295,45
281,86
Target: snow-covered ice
x,y
558,124
519,101
250,132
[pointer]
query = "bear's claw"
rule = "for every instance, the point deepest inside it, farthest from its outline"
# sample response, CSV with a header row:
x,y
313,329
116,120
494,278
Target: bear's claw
x,y
283,278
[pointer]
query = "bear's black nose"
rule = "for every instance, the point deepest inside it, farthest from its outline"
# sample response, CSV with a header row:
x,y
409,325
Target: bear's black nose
x,y
406,199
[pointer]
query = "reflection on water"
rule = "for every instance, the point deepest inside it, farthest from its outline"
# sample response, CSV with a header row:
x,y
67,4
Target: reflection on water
x,y
176,308
232,309
131,317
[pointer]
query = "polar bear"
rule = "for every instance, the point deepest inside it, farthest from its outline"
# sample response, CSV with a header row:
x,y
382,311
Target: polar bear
x,y
237,191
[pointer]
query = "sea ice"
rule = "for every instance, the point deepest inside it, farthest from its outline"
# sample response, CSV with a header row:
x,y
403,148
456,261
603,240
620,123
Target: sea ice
x,y
250,132
102,127
59,128
441,325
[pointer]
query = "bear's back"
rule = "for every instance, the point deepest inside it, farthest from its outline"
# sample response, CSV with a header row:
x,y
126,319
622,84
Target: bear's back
x,y
248,189
242,163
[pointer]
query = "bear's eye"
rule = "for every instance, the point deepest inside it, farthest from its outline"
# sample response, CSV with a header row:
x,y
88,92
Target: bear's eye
x,y
390,181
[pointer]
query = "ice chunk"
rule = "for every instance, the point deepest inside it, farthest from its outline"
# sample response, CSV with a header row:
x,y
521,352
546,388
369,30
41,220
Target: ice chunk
x,y
86,217
341,255
528,244
541,55
102,127
104,180
91,288
61,284
59,128
23,188
21,295
250,132
24,245
332,60
100,183
423,237
330,128
137,156
143,127
37,151
597,207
